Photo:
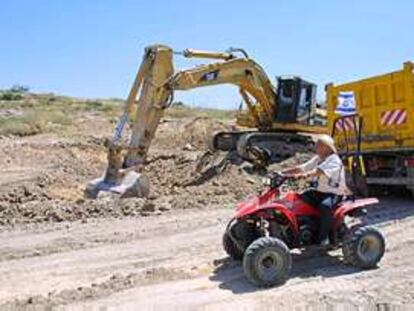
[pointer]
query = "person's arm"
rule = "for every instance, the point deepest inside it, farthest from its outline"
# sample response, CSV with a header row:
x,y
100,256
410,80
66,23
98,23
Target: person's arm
x,y
293,170
302,169
316,172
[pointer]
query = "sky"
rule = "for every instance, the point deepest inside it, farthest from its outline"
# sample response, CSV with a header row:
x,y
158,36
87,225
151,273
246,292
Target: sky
x,y
93,48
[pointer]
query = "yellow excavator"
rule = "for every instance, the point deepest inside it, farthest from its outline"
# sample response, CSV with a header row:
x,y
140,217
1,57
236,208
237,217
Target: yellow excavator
x,y
276,118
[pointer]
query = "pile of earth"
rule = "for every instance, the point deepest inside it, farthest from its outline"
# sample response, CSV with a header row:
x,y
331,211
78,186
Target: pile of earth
x,y
188,133
56,170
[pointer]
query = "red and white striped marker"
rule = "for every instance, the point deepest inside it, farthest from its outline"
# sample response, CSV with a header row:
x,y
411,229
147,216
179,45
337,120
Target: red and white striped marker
x,y
394,117
345,124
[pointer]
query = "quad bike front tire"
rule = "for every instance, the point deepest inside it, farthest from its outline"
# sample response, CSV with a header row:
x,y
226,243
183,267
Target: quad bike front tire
x,y
363,247
244,234
267,262
231,248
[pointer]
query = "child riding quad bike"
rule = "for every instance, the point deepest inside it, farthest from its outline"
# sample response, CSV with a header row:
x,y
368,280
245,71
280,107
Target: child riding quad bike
x,y
267,226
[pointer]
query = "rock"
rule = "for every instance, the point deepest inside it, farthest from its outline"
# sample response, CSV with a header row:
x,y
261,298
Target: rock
x,y
220,191
250,181
164,206
107,196
148,207
37,253
80,201
56,216
189,147
153,196
27,191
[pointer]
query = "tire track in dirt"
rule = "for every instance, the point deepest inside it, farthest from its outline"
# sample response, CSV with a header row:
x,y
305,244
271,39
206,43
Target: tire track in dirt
x,y
315,281
156,246
177,258
55,238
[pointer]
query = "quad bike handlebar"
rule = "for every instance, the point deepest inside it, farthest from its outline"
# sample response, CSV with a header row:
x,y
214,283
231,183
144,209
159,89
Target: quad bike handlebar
x,y
275,179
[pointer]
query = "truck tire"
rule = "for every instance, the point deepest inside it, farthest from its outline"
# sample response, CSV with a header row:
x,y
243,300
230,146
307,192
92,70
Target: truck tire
x,y
267,262
363,247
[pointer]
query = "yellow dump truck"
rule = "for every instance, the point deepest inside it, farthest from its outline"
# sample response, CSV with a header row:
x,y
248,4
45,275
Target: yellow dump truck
x,y
385,106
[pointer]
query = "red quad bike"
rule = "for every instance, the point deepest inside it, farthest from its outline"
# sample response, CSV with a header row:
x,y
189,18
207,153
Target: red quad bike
x,y
267,226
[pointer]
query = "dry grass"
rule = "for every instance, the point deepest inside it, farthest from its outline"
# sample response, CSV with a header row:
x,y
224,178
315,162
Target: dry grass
x,y
184,112
39,113
32,122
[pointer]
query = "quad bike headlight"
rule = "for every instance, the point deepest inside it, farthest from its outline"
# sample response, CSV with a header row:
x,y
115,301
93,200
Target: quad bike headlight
x,y
267,181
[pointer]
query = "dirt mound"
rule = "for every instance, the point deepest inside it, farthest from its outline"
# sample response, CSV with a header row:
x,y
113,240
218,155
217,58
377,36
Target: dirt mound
x,y
188,133
171,175
55,210
44,175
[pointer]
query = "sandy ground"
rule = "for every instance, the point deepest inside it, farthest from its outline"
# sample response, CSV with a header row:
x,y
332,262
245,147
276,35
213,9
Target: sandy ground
x,y
60,251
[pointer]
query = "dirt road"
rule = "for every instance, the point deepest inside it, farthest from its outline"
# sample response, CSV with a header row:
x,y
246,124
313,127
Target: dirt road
x,y
175,260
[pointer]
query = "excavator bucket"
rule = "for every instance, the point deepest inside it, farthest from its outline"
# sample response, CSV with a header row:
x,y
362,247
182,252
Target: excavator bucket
x,y
131,185
125,182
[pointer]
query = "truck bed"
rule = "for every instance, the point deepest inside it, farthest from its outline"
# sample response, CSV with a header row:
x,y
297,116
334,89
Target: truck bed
x,y
386,104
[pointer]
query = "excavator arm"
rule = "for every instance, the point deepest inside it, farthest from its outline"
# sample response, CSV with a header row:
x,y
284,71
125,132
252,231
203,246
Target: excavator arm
x,y
242,72
152,92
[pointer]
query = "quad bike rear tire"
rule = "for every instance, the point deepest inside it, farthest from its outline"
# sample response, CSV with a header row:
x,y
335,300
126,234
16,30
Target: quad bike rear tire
x,y
363,247
267,262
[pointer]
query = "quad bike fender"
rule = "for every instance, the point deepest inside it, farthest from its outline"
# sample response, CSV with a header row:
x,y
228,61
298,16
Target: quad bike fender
x,y
348,207
254,203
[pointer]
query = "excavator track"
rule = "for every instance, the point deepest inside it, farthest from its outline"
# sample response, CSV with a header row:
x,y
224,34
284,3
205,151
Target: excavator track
x,y
259,148
276,146
227,141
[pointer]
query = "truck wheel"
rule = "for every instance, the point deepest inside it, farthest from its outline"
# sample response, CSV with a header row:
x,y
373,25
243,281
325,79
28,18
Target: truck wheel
x,y
363,247
231,248
267,262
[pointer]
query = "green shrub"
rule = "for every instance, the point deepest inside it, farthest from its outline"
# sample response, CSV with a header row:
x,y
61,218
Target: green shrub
x,y
19,89
16,92
7,95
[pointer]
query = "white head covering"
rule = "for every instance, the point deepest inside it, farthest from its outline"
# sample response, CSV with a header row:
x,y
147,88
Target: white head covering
x,y
327,141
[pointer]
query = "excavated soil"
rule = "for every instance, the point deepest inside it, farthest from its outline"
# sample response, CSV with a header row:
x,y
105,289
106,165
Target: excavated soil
x,y
43,176
60,250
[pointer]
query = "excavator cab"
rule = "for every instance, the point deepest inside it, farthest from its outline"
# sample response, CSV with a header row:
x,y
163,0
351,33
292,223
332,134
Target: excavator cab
x,y
296,100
